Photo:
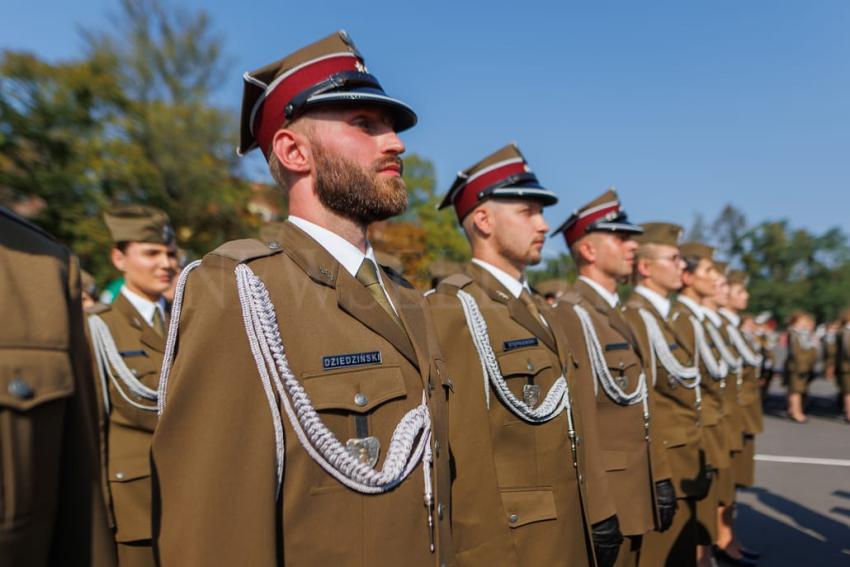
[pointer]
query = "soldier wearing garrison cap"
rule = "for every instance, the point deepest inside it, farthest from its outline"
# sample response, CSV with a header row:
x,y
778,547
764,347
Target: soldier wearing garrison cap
x,y
599,236
675,382
128,341
800,361
842,361
303,417
508,512
51,497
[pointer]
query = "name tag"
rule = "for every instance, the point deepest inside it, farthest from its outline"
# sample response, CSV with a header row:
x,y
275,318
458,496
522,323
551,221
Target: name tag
x,y
617,346
353,359
129,353
520,343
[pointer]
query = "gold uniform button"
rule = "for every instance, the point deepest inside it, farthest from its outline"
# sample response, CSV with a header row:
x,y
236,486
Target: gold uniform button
x,y
360,399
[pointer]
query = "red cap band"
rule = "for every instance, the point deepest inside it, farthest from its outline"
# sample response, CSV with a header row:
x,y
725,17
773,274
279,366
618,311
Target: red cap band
x,y
468,197
579,228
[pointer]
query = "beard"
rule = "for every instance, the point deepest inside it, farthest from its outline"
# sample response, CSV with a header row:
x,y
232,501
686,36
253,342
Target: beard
x,y
358,193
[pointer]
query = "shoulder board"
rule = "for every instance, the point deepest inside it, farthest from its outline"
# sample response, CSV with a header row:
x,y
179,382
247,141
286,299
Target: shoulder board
x,y
27,224
457,280
572,297
246,249
396,277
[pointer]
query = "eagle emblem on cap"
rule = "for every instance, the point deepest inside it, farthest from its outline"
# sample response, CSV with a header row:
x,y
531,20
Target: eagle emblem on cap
x,y
360,66
167,233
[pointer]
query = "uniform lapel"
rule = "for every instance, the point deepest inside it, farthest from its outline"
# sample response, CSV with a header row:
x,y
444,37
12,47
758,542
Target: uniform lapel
x,y
412,316
351,296
615,319
517,310
147,335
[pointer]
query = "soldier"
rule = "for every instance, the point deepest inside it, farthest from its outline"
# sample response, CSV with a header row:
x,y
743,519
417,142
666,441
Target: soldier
x,y
842,362
699,280
749,396
51,506
304,421
599,236
518,492
676,421
128,341
800,362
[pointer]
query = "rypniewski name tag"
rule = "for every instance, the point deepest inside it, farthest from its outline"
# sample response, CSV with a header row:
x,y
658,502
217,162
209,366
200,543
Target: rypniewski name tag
x,y
353,359
520,343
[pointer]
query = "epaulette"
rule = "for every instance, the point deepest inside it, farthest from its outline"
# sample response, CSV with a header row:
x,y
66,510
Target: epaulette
x,y
396,277
572,297
247,249
27,224
457,280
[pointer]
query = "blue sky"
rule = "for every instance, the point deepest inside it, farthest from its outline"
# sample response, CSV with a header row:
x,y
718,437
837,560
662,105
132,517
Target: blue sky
x,y
682,105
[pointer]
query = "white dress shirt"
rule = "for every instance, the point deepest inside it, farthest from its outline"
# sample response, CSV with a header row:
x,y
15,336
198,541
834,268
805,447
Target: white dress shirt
x,y
661,304
695,307
611,298
343,251
144,306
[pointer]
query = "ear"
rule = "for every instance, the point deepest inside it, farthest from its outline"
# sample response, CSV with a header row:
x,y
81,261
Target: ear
x,y
482,221
642,267
119,260
587,250
293,150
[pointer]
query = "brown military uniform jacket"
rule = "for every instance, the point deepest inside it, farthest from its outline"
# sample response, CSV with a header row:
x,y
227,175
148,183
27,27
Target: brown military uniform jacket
x,y
801,358
624,437
51,510
127,430
733,412
749,393
842,358
676,420
516,495
214,450
715,437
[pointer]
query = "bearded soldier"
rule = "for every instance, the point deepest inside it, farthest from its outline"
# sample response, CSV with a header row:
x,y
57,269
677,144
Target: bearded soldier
x,y
127,340
303,421
599,236
675,380
519,494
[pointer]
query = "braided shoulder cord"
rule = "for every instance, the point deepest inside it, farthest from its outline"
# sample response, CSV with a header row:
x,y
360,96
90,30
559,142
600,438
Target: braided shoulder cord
x,y
717,369
751,358
557,398
600,367
687,376
112,366
733,362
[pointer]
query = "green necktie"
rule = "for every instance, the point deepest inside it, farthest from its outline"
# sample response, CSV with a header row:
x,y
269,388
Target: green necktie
x,y
528,301
158,324
368,276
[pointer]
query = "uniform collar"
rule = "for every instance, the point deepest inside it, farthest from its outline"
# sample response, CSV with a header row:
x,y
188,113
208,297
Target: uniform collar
x,y
733,317
611,299
343,251
661,304
692,305
144,306
713,317
512,284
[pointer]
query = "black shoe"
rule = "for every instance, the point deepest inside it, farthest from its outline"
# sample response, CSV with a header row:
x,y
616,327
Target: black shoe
x,y
750,553
729,560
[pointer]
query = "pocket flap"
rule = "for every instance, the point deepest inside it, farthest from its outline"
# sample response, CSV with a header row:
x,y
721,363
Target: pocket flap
x,y
523,362
125,470
354,390
29,378
614,460
526,506
674,437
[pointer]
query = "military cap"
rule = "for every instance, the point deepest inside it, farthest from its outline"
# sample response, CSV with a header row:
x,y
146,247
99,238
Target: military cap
x,y
697,250
330,70
738,277
139,223
503,174
722,267
603,214
660,233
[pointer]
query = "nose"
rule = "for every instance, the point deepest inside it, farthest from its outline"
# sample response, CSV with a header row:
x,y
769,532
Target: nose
x,y
542,225
391,143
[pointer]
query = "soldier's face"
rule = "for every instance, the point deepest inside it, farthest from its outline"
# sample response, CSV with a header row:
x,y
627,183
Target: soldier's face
x,y
147,268
721,294
518,230
357,164
703,279
739,297
614,253
664,266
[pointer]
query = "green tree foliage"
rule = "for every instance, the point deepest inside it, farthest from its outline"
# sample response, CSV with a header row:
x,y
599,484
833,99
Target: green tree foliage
x,y
560,267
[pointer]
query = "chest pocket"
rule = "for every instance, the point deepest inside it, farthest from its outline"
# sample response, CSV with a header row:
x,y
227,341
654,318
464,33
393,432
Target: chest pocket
x,y
526,366
622,362
34,388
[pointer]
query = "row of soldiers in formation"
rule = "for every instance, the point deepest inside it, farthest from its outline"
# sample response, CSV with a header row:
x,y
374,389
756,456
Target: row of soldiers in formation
x,y
299,404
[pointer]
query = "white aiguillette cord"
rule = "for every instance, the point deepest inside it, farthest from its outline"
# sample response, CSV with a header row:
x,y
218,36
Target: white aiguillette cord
x,y
687,376
751,358
410,442
557,398
110,364
718,369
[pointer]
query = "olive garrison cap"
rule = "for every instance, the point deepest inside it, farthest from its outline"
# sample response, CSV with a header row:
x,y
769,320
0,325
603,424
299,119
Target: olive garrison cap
x,y
330,70
139,223
697,250
738,277
603,214
665,233
722,267
503,174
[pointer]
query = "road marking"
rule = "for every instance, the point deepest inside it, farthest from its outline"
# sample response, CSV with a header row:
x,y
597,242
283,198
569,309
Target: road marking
x,y
803,460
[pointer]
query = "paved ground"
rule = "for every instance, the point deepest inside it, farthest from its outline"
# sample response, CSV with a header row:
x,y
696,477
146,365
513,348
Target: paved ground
x,y
798,514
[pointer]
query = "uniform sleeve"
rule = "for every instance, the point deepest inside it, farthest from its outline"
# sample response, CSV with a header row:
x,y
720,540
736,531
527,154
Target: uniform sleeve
x,y
600,505
213,452
81,535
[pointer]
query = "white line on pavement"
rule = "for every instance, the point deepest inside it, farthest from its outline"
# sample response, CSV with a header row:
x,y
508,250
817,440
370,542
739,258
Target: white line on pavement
x,y
803,460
